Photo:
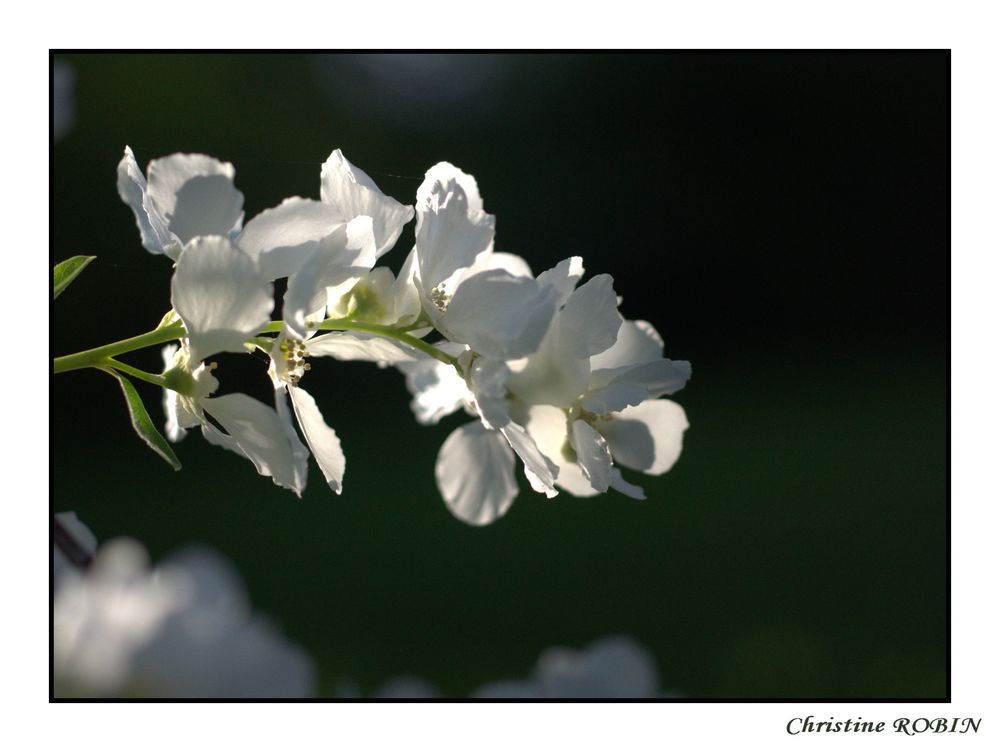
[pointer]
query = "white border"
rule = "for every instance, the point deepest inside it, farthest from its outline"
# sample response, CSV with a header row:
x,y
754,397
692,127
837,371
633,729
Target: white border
x,y
976,370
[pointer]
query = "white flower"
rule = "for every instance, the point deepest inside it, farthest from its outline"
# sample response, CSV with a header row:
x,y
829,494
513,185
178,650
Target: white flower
x,y
184,196
610,668
475,465
584,398
474,469
381,298
614,667
252,429
473,296
182,630
617,419
288,365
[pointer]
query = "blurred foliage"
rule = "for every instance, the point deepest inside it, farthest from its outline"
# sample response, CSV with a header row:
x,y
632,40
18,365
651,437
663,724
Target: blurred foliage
x,y
781,219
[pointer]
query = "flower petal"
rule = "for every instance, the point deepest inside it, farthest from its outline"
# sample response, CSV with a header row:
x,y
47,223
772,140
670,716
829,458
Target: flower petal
x,y
637,342
322,439
593,455
405,294
196,195
282,239
590,320
540,471
220,296
489,386
614,398
647,437
156,238
436,387
475,474
177,416
351,192
622,486
658,377
337,263
564,276
452,228
446,173
262,435
547,426
510,263
367,347
500,315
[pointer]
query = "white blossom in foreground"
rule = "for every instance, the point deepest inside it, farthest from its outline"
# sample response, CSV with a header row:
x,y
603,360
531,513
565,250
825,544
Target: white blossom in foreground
x,y
610,668
183,629
182,196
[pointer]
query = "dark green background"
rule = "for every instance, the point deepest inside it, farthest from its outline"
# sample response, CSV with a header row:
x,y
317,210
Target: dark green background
x,y
781,219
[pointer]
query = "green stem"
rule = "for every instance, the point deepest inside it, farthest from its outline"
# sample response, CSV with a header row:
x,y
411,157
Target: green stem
x,y
346,325
103,356
152,378
99,355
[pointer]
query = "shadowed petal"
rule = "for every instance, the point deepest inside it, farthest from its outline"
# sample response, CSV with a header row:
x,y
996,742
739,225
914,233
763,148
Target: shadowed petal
x,y
282,239
321,438
475,474
647,437
262,436
195,194
593,455
500,315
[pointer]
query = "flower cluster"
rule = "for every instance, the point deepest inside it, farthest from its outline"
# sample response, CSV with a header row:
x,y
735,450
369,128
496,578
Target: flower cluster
x,y
546,366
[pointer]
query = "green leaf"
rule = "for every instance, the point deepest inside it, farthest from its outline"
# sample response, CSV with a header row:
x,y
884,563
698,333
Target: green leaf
x,y
66,271
142,423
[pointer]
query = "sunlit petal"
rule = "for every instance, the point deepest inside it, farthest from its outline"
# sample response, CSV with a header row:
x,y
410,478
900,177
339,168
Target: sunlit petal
x,y
220,296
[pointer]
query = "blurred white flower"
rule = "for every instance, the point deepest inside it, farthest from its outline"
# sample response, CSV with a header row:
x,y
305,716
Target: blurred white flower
x,y
615,667
183,629
610,668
